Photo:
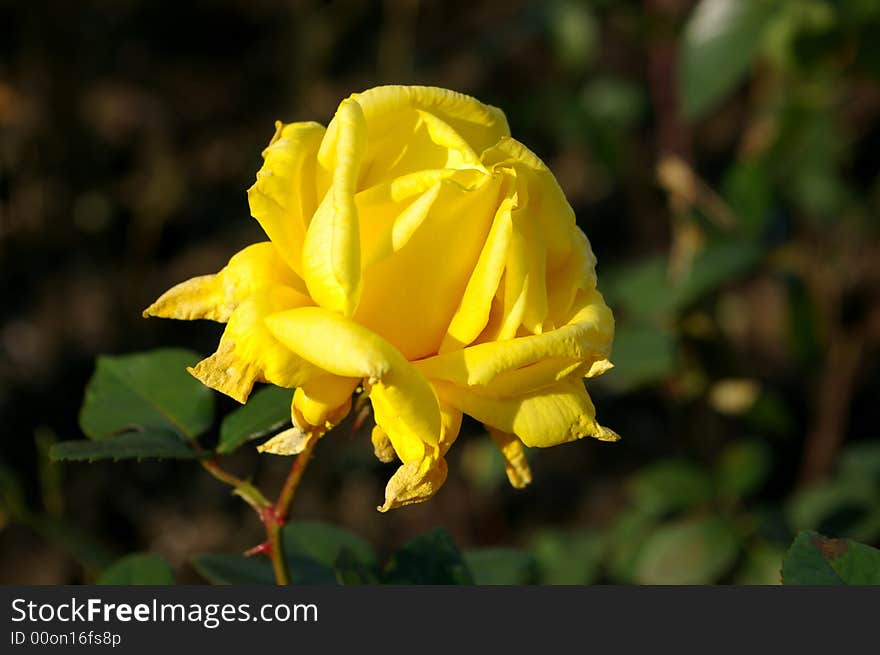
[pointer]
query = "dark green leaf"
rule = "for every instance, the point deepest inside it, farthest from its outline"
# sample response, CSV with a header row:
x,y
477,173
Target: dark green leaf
x,y
670,486
431,558
151,390
131,445
351,570
223,568
695,551
138,569
817,560
500,566
314,549
266,410
721,39
742,468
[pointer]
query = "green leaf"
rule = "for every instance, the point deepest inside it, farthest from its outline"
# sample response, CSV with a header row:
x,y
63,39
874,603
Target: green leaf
x,y
641,288
720,41
431,558
694,551
642,355
817,560
762,566
314,550
501,566
138,569
351,570
567,557
717,263
266,410
742,469
670,486
131,445
151,390
845,505
222,568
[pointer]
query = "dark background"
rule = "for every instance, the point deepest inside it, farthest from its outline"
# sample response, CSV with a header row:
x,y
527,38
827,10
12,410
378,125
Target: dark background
x,y
736,239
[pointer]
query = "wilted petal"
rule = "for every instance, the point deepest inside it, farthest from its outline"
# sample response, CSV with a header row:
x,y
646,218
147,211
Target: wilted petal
x,y
214,297
248,352
515,465
414,482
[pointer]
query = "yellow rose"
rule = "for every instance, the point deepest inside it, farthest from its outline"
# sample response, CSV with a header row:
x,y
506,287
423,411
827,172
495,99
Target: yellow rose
x,y
419,252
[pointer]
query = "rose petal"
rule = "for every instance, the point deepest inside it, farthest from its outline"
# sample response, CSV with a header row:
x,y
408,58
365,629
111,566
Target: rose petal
x,y
285,195
214,297
553,415
515,464
404,404
248,352
331,254
585,339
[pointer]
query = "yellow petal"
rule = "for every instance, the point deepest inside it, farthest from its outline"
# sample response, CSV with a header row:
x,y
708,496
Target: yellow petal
x,y
249,353
515,464
405,300
331,255
324,400
214,297
382,448
478,124
284,197
553,415
404,404
414,482
450,420
472,312
586,339
289,442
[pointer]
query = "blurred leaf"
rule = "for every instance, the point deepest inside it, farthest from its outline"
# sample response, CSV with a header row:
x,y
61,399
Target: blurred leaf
x,y
131,445
266,410
79,544
351,570
642,355
625,541
742,469
12,499
431,558
224,568
614,102
770,415
314,550
845,505
715,264
762,566
565,557
695,551
501,566
746,188
574,34
817,560
644,290
138,569
641,288
151,390
861,460
721,39
670,486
